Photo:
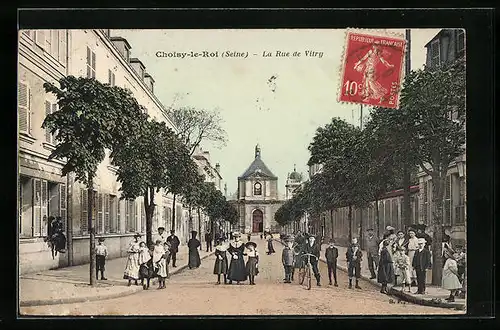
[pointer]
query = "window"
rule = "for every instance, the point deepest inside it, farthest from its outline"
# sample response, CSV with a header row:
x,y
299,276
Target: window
x,y
460,208
143,218
447,201
62,204
24,107
435,53
62,51
111,78
90,63
460,42
257,189
112,226
118,216
130,216
100,214
49,108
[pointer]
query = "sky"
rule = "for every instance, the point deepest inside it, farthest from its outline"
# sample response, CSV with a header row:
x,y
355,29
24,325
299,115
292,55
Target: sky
x,y
281,116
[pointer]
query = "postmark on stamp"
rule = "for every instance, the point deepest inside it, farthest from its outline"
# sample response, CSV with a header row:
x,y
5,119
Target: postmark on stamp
x,y
372,69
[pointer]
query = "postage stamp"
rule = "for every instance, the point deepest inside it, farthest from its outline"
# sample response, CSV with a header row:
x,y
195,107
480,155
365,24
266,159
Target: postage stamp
x,y
372,69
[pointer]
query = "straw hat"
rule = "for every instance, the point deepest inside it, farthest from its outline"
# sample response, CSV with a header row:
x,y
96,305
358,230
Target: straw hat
x,y
421,241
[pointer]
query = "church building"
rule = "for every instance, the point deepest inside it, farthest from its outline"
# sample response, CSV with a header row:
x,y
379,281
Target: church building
x,y
258,198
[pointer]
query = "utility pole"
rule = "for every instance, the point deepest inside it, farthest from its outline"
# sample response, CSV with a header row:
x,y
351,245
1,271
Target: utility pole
x,y
406,170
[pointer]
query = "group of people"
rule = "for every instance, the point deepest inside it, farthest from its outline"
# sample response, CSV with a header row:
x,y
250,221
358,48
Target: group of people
x,y
236,270
404,259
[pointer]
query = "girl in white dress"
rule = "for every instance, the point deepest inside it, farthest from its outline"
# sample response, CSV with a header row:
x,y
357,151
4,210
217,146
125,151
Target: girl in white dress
x,y
449,278
402,268
160,264
132,267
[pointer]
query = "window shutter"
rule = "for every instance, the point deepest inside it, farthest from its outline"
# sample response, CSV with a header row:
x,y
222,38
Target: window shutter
x,y
109,77
99,228
44,208
62,205
106,213
113,75
40,38
93,65
118,216
48,110
89,62
37,206
84,207
62,46
127,216
23,107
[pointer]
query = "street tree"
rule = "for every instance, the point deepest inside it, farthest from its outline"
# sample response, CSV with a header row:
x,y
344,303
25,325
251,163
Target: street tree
x,y
91,118
435,98
144,166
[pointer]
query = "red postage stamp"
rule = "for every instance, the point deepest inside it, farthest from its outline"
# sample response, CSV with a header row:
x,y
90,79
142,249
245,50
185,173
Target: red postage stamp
x,y
372,69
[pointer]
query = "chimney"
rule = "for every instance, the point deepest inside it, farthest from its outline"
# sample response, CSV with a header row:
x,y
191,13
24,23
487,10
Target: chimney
x,y
257,151
138,67
217,168
149,81
123,46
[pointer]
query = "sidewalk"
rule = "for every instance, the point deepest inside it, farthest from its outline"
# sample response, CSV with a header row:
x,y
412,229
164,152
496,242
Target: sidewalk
x,y
71,284
434,296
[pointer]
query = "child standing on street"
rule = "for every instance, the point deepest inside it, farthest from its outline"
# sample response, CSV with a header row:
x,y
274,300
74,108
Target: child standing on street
x,y
354,256
146,270
331,255
160,263
287,258
221,264
252,265
101,252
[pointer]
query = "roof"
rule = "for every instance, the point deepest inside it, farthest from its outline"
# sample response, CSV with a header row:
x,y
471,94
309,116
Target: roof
x,y
121,39
136,60
258,167
147,75
438,36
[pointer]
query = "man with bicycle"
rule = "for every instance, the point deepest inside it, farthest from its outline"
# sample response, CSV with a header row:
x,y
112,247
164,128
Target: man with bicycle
x,y
313,248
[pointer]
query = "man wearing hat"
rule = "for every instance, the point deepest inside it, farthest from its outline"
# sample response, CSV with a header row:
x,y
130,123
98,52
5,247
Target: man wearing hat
x,y
162,236
421,262
313,248
372,247
194,255
354,256
101,252
287,259
174,242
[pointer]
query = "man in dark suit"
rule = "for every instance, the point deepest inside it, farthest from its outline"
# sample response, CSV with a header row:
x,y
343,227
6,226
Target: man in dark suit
x,y
354,257
208,240
421,262
313,248
371,247
174,246
331,254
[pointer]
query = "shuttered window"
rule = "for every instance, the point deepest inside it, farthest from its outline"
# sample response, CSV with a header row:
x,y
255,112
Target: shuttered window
x,y
49,108
111,78
24,108
107,208
62,204
84,211
37,208
447,201
90,63
118,216
100,214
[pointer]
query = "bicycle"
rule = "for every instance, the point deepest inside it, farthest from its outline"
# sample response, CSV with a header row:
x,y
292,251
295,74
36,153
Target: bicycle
x,y
307,271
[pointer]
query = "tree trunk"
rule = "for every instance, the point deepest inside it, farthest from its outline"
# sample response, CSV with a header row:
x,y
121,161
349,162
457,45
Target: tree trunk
x,y
438,182
377,218
190,225
90,224
69,217
349,220
199,226
173,213
406,196
361,243
331,220
149,207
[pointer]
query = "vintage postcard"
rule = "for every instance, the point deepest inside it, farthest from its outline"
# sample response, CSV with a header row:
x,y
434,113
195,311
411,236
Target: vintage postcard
x,y
241,172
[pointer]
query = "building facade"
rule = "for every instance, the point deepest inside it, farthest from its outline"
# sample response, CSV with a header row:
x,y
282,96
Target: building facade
x,y
258,198
47,56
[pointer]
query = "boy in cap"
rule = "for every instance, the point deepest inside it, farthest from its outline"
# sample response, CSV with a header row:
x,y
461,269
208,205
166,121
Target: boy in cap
x,y
174,242
331,254
354,256
287,258
101,252
421,262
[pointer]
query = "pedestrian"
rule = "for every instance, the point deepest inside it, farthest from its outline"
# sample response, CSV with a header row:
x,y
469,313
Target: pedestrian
x,y
132,265
449,280
160,263
412,247
372,246
237,271
421,262
385,273
101,252
194,255
270,247
331,255
460,259
252,265
261,237
287,258
146,270
400,240
208,240
162,236
313,248
354,257
174,243
249,237
402,268
221,264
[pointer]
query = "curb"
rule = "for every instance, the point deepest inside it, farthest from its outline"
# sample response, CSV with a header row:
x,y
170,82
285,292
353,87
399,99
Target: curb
x,y
402,295
72,300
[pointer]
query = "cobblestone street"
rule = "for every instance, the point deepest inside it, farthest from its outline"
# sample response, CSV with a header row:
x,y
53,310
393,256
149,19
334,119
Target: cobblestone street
x,y
193,292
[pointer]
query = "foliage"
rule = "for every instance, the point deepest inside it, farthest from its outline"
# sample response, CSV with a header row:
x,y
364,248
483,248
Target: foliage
x,y
197,125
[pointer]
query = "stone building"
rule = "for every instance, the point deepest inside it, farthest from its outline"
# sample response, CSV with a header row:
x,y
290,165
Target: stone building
x,y
258,198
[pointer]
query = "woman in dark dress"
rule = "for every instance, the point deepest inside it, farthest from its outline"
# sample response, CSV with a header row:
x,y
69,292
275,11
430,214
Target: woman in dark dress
x,y
220,266
270,247
252,262
194,255
237,271
385,267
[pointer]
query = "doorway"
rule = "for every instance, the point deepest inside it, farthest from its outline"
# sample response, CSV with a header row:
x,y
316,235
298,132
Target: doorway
x,y
257,221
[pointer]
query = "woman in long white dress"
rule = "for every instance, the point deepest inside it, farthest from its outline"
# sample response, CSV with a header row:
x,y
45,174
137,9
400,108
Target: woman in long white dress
x,y
449,278
132,267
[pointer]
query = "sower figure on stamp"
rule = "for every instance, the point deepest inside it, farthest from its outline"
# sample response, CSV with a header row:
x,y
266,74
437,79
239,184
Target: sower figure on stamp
x,y
174,246
354,257
331,255
372,247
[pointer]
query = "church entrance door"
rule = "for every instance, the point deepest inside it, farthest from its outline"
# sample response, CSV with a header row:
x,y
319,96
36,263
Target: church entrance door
x,y
257,221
